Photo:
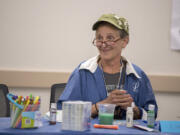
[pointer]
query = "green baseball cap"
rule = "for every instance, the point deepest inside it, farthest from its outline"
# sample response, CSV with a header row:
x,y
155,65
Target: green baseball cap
x,y
119,22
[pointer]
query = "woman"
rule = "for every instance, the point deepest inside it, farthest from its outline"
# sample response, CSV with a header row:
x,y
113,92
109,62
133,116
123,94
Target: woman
x,y
110,77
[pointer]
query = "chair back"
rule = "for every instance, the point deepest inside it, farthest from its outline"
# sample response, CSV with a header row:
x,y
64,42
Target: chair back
x,y
4,102
56,90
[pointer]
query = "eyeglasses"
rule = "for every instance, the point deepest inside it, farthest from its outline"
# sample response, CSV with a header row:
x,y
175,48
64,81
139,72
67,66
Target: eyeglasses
x,y
99,43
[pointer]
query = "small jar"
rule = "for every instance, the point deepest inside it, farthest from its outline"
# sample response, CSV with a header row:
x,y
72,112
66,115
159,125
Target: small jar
x,y
53,110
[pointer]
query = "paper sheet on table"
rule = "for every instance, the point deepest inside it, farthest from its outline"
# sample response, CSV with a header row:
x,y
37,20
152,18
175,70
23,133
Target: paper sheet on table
x,y
58,116
170,126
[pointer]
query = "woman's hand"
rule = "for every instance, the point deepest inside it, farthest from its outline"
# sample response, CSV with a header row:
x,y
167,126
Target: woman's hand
x,y
120,98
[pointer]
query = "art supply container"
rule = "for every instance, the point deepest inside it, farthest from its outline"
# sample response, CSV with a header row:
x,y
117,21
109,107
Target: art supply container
x,y
24,115
106,114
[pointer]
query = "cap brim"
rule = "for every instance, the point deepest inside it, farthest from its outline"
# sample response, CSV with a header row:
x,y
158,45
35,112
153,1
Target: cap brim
x,y
100,21
97,24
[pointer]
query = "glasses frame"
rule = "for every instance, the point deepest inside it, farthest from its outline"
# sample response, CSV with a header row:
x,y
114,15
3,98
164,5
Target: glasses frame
x,y
105,42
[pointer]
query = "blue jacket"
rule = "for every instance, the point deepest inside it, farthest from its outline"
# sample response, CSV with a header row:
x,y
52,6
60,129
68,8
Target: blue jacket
x,y
86,83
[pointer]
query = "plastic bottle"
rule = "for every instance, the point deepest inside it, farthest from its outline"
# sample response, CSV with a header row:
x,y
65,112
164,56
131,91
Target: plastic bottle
x,y
52,118
151,116
132,105
129,117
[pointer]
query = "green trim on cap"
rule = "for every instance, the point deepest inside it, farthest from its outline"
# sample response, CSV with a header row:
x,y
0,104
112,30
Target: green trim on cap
x,y
119,22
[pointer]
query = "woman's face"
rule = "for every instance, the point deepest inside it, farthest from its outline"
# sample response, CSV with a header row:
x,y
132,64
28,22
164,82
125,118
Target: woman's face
x,y
111,49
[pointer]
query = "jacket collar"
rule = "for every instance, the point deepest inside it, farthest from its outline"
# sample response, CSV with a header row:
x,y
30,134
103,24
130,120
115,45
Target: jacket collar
x,y
92,65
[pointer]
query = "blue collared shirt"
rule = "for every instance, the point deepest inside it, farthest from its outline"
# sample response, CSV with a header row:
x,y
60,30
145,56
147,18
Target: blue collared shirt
x,y
86,83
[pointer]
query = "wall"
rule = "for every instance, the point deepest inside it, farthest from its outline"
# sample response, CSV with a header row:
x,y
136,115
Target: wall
x,y
45,34
168,104
55,36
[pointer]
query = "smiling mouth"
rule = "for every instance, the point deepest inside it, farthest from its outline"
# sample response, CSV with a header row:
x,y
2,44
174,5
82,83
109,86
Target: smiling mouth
x,y
105,50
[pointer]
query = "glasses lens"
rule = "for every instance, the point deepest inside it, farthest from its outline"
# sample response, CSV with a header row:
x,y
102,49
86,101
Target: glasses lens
x,y
100,43
109,43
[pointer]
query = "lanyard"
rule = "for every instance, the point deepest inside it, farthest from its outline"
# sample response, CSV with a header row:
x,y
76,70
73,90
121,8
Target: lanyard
x,y
123,76
121,80
118,112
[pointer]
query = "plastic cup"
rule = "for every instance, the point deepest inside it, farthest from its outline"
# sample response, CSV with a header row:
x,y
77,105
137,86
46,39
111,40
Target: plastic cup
x,y
106,114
